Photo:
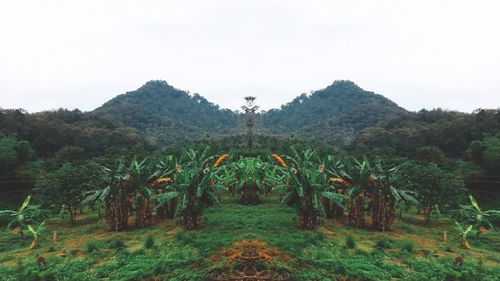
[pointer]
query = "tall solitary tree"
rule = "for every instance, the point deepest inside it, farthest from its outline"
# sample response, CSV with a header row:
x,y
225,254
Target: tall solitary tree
x,y
250,108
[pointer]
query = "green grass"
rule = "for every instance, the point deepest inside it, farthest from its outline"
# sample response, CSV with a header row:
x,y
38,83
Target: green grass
x,y
89,251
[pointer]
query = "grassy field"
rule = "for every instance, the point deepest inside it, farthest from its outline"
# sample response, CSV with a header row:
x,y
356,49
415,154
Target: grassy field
x,y
235,238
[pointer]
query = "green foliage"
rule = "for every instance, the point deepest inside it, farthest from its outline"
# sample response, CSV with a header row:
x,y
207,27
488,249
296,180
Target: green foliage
x,y
196,184
36,232
382,185
63,188
149,242
26,214
13,153
437,190
486,153
247,179
164,113
350,242
450,131
475,218
92,246
335,114
48,132
407,246
384,244
302,185
115,244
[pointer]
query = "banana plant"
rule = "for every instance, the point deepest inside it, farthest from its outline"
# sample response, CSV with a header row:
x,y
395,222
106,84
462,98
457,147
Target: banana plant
x,y
358,173
113,189
474,216
302,182
165,196
249,180
375,188
36,232
20,219
195,185
140,175
464,232
388,188
334,204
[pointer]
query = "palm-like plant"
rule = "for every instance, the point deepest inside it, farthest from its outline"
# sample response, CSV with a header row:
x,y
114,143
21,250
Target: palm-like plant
x,y
387,188
20,219
140,175
338,186
303,183
249,179
476,218
464,233
378,189
359,174
165,194
36,232
196,186
113,189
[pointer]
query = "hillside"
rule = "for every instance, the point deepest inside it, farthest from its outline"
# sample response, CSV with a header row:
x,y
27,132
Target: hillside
x,y
336,114
165,114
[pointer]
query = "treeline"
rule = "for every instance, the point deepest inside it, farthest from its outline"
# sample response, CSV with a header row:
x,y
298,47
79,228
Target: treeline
x,y
49,131
450,131
468,143
33,143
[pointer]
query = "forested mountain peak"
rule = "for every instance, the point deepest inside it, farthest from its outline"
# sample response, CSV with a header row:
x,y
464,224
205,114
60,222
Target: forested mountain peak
x,y
336,113
166,114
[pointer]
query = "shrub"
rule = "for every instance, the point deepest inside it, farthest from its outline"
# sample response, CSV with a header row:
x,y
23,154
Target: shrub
x,y
384,244
150,242
115,244
92,246
407,246
350,243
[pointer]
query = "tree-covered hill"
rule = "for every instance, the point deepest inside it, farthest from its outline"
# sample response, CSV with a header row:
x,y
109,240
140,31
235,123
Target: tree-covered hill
x,y
334,115
165,114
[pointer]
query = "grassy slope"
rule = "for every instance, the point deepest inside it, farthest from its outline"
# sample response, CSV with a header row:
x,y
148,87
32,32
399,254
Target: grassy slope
x,y
89,251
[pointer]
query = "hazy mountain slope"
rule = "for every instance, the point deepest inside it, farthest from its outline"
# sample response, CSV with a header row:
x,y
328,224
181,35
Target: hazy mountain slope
x,y
335,114
165,114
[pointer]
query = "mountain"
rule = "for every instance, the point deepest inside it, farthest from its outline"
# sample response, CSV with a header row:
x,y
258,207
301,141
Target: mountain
x,y
164,114
335,115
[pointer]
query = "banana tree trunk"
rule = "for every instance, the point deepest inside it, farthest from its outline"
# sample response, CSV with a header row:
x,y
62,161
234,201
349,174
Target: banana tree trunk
x,y
383,212
72,213
328,207
308,216
357,212
191,218
117,212
249,195
143,212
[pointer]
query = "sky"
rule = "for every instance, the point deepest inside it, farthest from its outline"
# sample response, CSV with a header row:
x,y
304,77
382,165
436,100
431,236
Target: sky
x,y
420,54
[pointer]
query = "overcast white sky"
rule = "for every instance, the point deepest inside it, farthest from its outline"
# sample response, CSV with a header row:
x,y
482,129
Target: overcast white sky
x,y
420,54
